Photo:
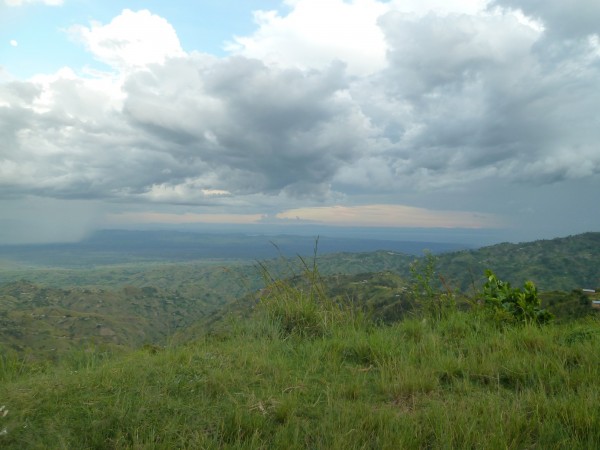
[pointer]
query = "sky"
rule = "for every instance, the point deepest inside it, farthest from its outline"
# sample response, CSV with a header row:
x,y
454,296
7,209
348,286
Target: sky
x,y
446,115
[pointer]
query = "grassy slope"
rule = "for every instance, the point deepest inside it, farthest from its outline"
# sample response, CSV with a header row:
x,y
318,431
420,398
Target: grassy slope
x,y
384,295
459,383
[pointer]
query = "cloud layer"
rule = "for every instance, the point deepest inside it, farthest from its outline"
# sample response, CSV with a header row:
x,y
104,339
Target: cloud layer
x,y
358,102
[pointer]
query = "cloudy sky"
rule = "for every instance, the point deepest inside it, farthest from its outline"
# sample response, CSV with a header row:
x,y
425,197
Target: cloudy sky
x,y
434,114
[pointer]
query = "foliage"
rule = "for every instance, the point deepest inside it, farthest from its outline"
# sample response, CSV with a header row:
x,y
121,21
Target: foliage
x,y
516,305
557,264
568,306
433,302
44,322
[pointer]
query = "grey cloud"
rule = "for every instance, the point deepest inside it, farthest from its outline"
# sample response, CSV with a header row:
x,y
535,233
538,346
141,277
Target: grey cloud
x,y
189,125
19,93
571,20
260,129
463,100
54,154
484,101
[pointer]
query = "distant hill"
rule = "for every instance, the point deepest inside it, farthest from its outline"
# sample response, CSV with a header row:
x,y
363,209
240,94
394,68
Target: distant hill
x,y
380,281
133,303
122,246
567,263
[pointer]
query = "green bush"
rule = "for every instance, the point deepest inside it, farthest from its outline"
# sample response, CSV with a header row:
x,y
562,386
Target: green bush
x,y
513,305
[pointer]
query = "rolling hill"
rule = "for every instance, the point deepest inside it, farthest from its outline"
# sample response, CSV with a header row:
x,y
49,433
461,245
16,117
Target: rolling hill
x,y
130,304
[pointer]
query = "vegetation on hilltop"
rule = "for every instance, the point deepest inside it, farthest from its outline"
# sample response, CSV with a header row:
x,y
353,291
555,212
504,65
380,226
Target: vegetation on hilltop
x,y
158,302
306,372
44,321
558,264
561,264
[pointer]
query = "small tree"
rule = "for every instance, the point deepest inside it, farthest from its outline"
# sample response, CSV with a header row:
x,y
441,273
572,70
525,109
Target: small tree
x,y
426,287
514,304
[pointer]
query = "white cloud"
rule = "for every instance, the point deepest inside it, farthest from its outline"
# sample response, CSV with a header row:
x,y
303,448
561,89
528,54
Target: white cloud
x,y
130,40
13,43
81,97
314,34
188,191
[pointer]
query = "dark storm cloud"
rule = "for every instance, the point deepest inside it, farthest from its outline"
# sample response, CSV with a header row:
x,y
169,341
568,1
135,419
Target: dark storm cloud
x,y
192,130
258,129
69,148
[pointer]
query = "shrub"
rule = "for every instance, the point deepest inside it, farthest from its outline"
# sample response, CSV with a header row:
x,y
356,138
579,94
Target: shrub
x,y
514,305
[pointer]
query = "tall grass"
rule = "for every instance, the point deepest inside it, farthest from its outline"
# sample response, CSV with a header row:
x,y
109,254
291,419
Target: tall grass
x,y
301,307
306,372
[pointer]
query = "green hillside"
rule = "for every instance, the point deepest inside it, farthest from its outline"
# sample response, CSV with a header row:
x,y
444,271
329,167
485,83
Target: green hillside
x,y
45,321
558,264
384,296
368,354
305,372
128,305
561,264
